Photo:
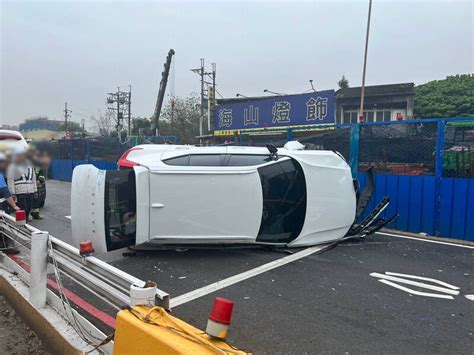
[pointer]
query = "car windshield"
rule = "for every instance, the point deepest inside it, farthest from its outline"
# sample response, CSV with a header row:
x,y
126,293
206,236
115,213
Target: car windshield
x,y
120,208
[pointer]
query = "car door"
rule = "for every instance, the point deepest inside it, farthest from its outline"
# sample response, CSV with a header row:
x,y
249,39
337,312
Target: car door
x,y
197,199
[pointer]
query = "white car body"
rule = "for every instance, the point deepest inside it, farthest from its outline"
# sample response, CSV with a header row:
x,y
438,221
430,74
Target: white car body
x,y
302,198
10,140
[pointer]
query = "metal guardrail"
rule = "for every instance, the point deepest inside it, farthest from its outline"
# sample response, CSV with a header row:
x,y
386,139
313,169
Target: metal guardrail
x,y
103,280
90,272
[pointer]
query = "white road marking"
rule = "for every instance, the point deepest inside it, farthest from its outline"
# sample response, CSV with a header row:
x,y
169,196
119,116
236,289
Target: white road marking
x,y
414,283
203,291
469,297
423,278
68,217
414,292
426,240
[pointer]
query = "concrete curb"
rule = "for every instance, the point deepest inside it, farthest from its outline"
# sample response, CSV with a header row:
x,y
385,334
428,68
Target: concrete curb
x,y
54,341
428,237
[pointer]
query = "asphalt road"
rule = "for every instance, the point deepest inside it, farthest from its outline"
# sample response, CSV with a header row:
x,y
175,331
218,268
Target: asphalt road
x,y
322,303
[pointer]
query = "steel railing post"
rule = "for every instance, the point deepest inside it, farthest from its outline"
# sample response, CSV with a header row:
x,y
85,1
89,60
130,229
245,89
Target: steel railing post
x,y
354,149
39,266
439,158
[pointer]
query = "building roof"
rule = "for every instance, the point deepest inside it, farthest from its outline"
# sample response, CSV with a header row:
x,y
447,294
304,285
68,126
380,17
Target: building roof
x,y
377,90
373,90
43,134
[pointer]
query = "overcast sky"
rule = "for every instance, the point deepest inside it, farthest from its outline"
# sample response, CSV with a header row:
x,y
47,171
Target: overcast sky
x,y
52,52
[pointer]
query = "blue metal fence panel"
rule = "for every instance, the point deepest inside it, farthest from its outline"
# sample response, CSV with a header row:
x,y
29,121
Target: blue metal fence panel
x,y
62,169
410,196
457,208
469,230
413,198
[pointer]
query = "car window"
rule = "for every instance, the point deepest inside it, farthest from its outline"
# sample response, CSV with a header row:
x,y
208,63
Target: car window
x,y
284,201
247,159
218,160
205,160
182,160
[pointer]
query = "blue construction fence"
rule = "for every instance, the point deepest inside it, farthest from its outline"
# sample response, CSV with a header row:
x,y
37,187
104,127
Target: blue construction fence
x,y
426,166
103,152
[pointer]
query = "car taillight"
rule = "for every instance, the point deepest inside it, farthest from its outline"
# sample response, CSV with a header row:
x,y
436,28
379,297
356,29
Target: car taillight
x,y
124,162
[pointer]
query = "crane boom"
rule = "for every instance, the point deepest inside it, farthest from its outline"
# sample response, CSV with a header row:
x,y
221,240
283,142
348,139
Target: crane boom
x,y
161,91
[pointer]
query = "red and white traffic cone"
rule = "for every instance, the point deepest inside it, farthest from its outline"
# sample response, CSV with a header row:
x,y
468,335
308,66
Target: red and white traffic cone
x,y
219,319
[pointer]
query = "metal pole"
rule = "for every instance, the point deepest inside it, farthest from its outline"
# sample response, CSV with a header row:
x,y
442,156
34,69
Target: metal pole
x,y
66,115
129,111
39,266
362,91
202,98
118,112
210,128
439,175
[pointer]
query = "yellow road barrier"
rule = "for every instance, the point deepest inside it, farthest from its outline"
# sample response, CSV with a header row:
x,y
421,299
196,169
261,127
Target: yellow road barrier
x,y
145,330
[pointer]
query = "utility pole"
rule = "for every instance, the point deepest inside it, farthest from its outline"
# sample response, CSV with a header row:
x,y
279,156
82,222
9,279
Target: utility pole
x,y
120,101
212,75
66,116
202,96
130,110
362,89
119,114
212,104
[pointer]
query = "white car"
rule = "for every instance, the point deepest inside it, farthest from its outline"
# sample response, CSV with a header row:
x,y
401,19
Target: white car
x,y
185,195
10,140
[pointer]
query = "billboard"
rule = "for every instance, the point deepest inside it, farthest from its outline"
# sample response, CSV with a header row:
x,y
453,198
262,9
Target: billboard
x,y
276,112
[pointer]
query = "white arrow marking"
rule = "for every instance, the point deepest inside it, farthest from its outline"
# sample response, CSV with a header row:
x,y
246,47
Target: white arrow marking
x,y
423,278
418,293
469,297
414,283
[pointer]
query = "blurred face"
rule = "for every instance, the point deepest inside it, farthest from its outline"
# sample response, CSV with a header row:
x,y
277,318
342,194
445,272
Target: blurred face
x,y
20,158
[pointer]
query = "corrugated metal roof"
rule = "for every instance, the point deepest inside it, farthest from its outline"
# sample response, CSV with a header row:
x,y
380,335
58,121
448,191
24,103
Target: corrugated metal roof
x,y
377,90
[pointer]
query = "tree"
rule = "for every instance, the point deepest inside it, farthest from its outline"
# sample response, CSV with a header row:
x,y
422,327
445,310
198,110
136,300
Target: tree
x,y
343,83
104,122
181,119
141,125
451,97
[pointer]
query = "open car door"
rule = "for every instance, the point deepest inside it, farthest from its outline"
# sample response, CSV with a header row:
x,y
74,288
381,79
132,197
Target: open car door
x,y
104,207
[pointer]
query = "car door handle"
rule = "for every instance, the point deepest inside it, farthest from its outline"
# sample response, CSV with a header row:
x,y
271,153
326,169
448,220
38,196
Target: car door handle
x,y
157,205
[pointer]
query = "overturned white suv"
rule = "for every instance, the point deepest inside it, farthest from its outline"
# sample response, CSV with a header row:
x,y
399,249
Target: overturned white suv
x,y
184,195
